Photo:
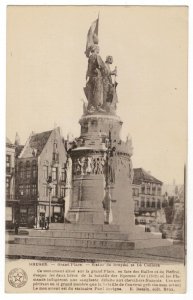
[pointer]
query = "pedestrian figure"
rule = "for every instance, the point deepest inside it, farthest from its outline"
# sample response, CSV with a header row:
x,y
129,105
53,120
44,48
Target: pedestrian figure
x,y
42,222
46,223
16,226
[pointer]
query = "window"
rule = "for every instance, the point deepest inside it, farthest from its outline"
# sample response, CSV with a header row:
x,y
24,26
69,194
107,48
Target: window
x,y
28,171
154,190
142,203
45,172
159,190
158,204
148,189
34,189
21,170
62,191
8,163
147,203
136,204
54,190
7,186
153,204
34,169
63,175
55,155
45,190
135,192
143,189
27,190
21,189
54,173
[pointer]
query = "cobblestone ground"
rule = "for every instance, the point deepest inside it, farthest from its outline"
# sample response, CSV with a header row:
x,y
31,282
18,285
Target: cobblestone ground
x,y
170,254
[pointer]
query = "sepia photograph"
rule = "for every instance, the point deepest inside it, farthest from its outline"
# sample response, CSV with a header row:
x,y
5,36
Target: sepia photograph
x,y
96,149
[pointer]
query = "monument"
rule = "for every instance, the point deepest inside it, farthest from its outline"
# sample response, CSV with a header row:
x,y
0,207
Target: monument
x,y
99,211
101,161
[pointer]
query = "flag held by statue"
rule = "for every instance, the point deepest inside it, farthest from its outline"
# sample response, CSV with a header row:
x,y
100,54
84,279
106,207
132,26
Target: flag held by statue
x,y
92,36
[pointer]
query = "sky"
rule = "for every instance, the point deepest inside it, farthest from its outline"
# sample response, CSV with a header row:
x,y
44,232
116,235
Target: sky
x,y
46,68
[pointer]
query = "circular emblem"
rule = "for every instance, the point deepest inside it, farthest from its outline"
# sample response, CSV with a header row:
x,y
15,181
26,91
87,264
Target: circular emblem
x,y
17,277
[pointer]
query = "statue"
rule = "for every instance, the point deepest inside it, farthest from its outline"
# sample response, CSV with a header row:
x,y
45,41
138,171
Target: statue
x,y
81,163
109,88
100,89
94,79
89,165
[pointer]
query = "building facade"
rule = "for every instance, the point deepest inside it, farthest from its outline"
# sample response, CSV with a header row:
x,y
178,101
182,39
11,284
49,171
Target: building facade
x,y
11,202
147,196
42,157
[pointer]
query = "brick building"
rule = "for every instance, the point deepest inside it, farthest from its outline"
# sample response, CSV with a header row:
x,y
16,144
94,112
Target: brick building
x,y
147,195
43,155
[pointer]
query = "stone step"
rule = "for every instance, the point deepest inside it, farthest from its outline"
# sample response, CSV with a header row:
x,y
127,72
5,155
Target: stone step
x,y
79,234
75,242
85,227
139,235
152,242
90,254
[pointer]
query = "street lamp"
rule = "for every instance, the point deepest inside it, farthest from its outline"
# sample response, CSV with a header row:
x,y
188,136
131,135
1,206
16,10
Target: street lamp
x,y
49,182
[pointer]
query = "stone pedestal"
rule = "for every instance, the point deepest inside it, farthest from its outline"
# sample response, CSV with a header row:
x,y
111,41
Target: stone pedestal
x,y
86,201
89,171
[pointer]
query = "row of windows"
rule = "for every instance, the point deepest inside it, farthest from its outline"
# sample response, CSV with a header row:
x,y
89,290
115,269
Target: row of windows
x,y
149,204
54,173
32,172
28,190
27,163
28,172
54,191
148,192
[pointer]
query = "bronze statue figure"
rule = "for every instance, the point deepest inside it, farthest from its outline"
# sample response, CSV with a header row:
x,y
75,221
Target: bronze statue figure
x,y
94,79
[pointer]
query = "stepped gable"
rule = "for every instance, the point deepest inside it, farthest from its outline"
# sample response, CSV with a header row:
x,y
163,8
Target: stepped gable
x,y
140,175
36,143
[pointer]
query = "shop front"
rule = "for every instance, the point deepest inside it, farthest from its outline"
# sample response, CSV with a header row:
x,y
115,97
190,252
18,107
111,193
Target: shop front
x,y
11,213
27,216
56,212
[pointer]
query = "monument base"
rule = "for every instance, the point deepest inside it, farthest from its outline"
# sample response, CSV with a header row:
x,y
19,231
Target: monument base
x,y
94,238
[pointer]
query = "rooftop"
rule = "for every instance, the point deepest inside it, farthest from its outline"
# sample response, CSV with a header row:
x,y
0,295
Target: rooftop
x,y
140,175
36,144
